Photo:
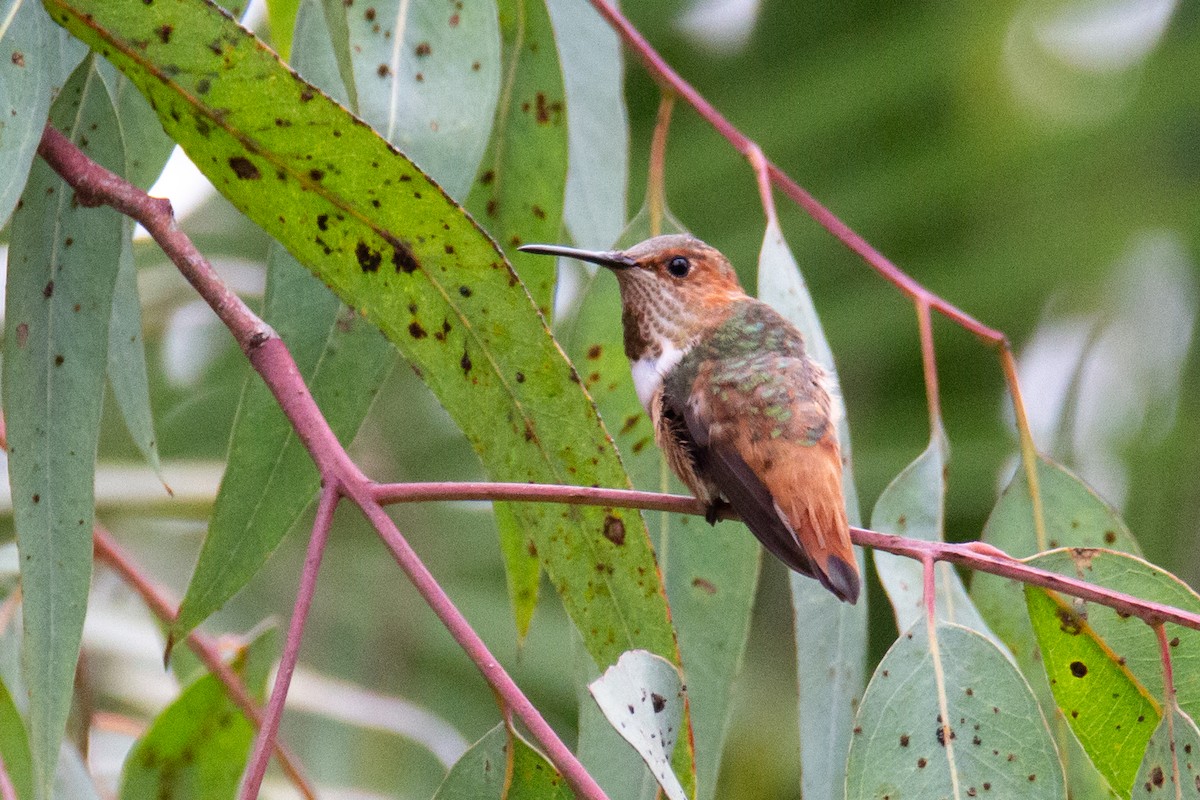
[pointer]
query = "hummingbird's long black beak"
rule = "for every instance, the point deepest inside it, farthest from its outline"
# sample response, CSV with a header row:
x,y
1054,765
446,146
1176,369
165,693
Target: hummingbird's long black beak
x,y
613,259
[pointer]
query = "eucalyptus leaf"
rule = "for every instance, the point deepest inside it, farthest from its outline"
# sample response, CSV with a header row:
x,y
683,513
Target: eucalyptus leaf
x,y
63,264
30,59
503,766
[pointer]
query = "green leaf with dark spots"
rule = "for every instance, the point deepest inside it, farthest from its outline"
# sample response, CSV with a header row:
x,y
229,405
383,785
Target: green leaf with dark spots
x,y
392,245
518,193
1108,708
503,766
62,266
198,745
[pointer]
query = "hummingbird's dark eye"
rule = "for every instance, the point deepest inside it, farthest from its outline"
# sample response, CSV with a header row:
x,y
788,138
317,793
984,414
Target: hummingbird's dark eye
x,y
678,266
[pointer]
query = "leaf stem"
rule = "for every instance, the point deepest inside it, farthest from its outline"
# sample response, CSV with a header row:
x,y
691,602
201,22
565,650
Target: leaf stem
x,y
656,179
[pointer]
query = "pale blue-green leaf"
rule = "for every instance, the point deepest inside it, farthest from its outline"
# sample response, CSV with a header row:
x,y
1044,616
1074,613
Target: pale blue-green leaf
x,y
427,77
998,744
913,505
27,59
1171,767
14,746
63,263
336,13
597,123
127,356
642,697
831,636
147,146
72,780
197,747
483,772
270,479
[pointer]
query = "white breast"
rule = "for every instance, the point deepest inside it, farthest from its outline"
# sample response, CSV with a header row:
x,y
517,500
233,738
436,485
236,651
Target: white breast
x,y
649,371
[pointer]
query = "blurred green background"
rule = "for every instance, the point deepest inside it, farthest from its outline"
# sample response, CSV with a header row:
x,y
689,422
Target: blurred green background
x,y
1037,164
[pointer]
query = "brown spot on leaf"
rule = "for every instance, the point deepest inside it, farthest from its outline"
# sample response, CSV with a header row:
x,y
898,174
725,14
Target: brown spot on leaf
x,y
383,70
22,334
1069,622
465,363
614,529
244,168
323,221
368,259
704,585
423,49
538,211
48,290
1079,669
658,702
18,58
415,330
904,740
164,33
921,763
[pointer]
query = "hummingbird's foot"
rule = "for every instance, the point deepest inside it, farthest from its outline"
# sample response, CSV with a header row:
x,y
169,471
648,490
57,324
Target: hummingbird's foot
x,y
713,512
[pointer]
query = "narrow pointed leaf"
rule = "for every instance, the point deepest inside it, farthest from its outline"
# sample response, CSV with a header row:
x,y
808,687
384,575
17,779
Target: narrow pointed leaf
x,y
831,636
998,744
642,697
518,193
28,60
281,16
127,356
63,263
198,746
396,248
913,505
14,746
597,123
503,766
1170,768
1108,709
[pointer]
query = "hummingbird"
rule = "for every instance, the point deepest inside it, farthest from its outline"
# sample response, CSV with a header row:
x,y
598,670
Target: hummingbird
x,y
740,410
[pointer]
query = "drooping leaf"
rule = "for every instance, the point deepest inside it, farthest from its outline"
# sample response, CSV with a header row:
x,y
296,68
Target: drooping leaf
x,y
503,766
831,636
198,745
14,746
26,76
1171,766
1107,707
396,248
913,505
427,77
998,744
63,263
642,697
518,193
127,356
597,123
270,478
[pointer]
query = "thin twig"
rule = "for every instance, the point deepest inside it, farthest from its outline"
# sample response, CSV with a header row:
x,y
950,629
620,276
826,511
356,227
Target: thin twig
x,y
291,651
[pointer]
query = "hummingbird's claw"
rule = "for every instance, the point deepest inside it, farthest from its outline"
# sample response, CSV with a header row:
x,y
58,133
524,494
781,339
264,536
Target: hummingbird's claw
x,y
714,511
